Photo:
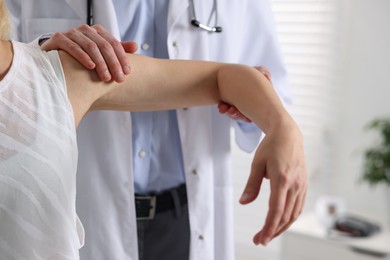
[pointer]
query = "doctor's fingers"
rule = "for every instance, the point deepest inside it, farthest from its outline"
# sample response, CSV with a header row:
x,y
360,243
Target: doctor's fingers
x,y
129,47
104,50
264,71
233,112
59,41
81,48
120,48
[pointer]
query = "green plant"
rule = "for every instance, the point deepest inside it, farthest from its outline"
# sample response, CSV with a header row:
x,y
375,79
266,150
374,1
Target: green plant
x,y
377,159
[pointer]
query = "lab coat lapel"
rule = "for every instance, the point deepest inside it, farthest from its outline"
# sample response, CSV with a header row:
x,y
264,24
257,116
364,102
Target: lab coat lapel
x,y
104,13
79,6
176,9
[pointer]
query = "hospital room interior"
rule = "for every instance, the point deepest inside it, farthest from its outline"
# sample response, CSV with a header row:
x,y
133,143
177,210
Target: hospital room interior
x,y
337,55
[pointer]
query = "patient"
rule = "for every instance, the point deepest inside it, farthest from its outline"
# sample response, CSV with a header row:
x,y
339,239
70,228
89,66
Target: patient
x,y
44,96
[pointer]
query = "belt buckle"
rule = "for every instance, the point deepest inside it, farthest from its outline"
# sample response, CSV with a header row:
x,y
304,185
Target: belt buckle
x,y
152,210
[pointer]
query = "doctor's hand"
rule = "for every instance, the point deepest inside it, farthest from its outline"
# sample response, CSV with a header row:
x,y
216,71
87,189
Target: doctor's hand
x,y
232,111
279,158
94,48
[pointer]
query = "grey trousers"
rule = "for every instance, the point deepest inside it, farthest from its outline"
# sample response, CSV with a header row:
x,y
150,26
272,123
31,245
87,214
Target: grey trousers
x,y
166,237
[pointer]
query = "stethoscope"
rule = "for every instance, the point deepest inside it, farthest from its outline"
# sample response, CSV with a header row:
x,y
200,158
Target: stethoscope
x,y
194,21
90,12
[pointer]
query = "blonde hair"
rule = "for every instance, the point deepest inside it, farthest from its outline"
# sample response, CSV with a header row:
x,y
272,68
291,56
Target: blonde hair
x,y
4,21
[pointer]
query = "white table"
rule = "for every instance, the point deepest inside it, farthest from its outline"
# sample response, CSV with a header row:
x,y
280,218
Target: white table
x,y
308,240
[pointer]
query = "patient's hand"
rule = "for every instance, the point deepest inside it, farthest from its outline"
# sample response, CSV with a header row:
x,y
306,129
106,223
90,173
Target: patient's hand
x,y
95,48
279,158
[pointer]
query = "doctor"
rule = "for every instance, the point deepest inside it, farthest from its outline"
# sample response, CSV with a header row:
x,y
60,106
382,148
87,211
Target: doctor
x,y
163,150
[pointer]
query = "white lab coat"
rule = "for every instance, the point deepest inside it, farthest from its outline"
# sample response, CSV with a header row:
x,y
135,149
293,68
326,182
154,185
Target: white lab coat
x,y
105,200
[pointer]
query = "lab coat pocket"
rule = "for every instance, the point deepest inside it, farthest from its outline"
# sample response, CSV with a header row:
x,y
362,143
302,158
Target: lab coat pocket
x,y
36,27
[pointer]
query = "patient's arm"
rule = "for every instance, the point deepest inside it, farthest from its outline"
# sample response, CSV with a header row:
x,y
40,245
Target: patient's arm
x,y
165,84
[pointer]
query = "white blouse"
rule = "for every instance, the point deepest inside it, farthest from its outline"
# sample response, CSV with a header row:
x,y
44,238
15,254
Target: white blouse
x,y
38,160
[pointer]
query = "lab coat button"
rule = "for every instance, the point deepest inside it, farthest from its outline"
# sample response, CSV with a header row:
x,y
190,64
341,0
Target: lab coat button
x,y
174,44
185,109
142,154
201,237
145,46
195,171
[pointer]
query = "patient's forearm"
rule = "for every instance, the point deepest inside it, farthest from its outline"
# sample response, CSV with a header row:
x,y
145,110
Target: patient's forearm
x,y
166,84
156,84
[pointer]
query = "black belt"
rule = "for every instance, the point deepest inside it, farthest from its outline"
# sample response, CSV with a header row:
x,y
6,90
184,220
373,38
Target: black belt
x,y
147,206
